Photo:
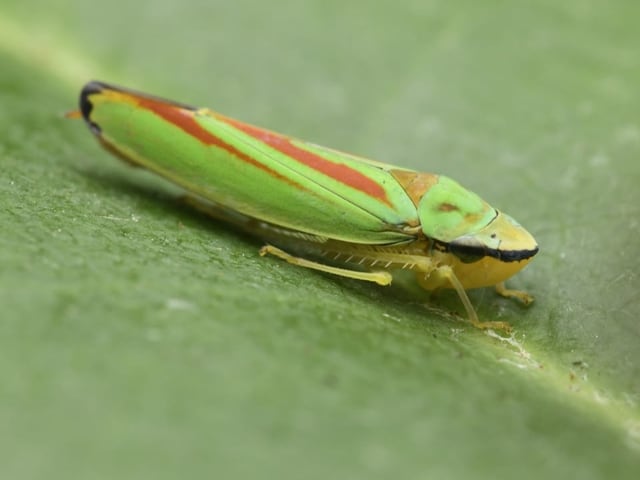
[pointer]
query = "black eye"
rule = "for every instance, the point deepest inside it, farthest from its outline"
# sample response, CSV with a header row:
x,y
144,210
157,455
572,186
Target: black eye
x,y
468,249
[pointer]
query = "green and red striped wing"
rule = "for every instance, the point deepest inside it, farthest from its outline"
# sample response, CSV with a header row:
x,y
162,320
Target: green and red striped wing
x,y
256,172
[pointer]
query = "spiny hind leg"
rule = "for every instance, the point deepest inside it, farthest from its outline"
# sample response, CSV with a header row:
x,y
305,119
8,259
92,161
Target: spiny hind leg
x,y
524,297
445,273
379,277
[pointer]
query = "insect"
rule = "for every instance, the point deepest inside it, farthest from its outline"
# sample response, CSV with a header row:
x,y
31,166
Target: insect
x,y
313,206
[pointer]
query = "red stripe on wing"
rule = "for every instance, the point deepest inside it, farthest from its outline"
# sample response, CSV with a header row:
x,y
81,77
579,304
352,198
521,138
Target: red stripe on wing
x,y
340,172
184,119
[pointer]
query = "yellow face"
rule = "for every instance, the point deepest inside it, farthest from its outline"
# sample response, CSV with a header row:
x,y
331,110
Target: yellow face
x,y
486,258
486,272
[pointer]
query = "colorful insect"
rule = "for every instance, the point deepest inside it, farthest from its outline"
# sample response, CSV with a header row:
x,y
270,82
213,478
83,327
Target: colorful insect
x,y
354,217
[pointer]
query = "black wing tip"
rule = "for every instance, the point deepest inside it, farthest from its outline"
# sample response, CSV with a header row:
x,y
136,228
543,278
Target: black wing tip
x,y
91,88
94,86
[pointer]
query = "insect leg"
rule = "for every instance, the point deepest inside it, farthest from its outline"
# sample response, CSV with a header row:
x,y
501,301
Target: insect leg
x,y
379,277
524,297
446,273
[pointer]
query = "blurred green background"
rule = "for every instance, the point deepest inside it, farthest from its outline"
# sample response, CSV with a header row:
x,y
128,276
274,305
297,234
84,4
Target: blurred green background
x,y
139,339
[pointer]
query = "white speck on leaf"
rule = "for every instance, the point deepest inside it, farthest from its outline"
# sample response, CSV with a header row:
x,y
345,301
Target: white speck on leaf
x,y
601,399
179,304
391,317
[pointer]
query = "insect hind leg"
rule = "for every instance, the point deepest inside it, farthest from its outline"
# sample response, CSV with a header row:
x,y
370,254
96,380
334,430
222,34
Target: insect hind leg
x,y
379,277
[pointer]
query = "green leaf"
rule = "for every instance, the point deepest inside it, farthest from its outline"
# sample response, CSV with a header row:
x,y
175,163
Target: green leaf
x,y
142,340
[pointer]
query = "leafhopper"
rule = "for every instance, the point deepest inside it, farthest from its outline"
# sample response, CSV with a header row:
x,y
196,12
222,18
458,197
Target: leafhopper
x,y
314,206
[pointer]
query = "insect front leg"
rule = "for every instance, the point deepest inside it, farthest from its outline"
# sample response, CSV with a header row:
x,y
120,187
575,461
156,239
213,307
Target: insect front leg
x,y
445,275
524,297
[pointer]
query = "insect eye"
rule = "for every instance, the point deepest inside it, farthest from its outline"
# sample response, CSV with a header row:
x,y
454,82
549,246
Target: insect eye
x,y
467,249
